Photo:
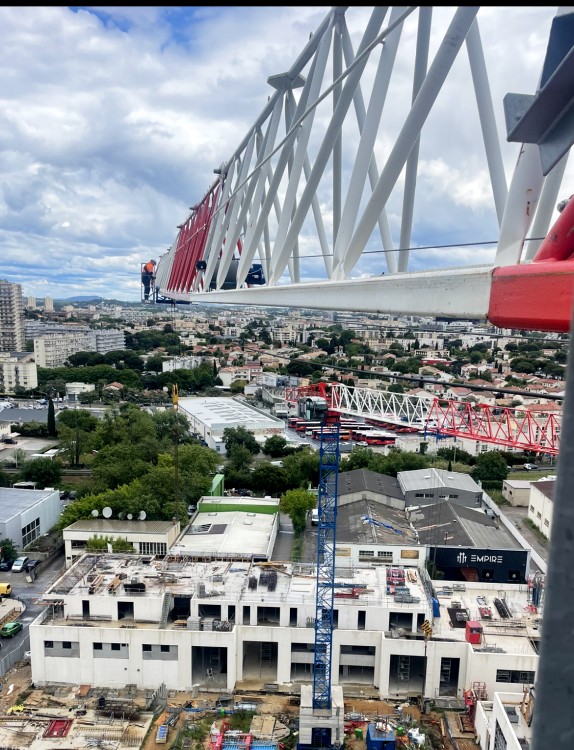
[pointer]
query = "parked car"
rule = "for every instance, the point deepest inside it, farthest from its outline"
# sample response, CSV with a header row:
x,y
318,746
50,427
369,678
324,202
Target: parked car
x,y
9,441
9,629
20,564
31,565
531,467
6,564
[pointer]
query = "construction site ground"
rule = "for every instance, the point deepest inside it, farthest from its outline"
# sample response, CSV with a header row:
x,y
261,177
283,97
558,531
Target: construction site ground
x,y
27,713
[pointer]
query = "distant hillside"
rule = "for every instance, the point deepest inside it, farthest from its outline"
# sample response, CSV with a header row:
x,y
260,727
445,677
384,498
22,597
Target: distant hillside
x,y
79,298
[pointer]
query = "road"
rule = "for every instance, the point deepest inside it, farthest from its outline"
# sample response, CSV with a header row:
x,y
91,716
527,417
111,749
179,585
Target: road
x,y
30,594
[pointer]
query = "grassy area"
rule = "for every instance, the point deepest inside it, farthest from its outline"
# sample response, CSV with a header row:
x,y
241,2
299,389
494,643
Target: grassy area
x,y
297,550
496,496
530,476
539,535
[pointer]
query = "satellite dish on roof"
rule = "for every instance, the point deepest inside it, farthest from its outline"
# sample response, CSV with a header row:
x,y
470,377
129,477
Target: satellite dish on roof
x,y
142,515
95,513
121,515
107,512
129,516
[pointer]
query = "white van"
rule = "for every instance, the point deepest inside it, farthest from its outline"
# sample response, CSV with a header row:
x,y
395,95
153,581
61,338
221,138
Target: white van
x,y
315,517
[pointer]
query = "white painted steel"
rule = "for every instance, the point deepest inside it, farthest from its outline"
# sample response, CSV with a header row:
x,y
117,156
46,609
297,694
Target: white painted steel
x,y
392,407
308,190
451,293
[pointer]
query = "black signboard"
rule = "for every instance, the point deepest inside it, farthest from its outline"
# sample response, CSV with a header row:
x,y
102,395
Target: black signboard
x,y
492,565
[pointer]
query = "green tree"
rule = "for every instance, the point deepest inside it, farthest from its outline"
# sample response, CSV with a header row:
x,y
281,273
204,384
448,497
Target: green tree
x,y
490,466
240,436
297,504
239,457
302,468
269,479
275,446
360,458
238,386
456,454
116,465
44,471
102,543
76,428
7,550
154,363
52,431
171,425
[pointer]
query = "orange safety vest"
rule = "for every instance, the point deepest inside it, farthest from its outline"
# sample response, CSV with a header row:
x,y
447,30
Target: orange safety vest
x,y
148,268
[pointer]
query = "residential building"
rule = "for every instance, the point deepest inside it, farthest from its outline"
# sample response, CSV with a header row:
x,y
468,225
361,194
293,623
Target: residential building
x,y
181,363
11,317
54,349
48,304
17,370
73,390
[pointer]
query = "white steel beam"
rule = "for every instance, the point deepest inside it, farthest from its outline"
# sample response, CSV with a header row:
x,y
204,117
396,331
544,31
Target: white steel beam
x,y
457,293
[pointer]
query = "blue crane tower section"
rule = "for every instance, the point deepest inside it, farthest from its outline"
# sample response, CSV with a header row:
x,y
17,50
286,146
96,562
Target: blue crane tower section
x,y
327,530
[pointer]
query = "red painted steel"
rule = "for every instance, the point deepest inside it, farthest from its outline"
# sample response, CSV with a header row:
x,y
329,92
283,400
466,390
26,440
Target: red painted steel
x,y
538,295
518,428
558,244
514,428
533,296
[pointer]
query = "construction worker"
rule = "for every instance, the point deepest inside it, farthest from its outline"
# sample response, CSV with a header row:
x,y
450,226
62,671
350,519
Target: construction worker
x,y
148,277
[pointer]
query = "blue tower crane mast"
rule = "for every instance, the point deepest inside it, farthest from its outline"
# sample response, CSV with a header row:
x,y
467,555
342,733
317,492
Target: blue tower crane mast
x,y
327,531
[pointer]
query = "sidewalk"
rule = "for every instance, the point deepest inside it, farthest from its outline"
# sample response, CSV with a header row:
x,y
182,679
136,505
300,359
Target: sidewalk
x,y
10,609
517,515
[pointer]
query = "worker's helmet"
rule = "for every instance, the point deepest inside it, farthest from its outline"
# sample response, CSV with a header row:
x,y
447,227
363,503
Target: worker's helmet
x,y
153,261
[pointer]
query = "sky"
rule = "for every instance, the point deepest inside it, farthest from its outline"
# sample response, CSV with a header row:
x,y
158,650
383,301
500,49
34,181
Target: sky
x,y
112,120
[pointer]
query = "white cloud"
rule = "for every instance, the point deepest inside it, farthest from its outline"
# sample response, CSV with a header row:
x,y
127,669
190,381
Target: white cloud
x,y
112,120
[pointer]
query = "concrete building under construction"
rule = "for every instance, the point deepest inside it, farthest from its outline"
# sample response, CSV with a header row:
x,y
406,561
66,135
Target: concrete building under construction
x,y
113,620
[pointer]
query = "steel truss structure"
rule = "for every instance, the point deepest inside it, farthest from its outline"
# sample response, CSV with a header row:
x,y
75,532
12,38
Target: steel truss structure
x,y
531,430
326,545
307,194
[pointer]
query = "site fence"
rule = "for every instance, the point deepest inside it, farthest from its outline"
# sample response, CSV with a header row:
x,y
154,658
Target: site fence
x,y
17,654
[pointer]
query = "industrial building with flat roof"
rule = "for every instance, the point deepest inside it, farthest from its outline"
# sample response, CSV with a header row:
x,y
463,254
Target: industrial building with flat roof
x,y
231,528
26,515
209,417
147,537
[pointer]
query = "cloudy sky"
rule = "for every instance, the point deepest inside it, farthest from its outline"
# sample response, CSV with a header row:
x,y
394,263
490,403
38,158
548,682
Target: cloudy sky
x,y
113,119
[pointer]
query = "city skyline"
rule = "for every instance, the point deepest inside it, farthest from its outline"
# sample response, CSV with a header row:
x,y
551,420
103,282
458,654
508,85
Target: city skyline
x,y
115,119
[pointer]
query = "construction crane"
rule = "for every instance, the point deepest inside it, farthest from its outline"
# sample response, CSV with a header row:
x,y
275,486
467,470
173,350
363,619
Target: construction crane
x,y
528,429
271,195
326,541
268,198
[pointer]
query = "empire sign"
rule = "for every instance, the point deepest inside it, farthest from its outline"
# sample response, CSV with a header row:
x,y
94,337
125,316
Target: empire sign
x,y
463,558
492,565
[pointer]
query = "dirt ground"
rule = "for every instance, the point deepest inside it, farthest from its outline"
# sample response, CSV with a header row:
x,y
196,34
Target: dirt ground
x,y
281,707
16,686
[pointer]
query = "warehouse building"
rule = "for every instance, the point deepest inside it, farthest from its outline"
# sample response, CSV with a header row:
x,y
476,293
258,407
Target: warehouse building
x,y
209,417
26,514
